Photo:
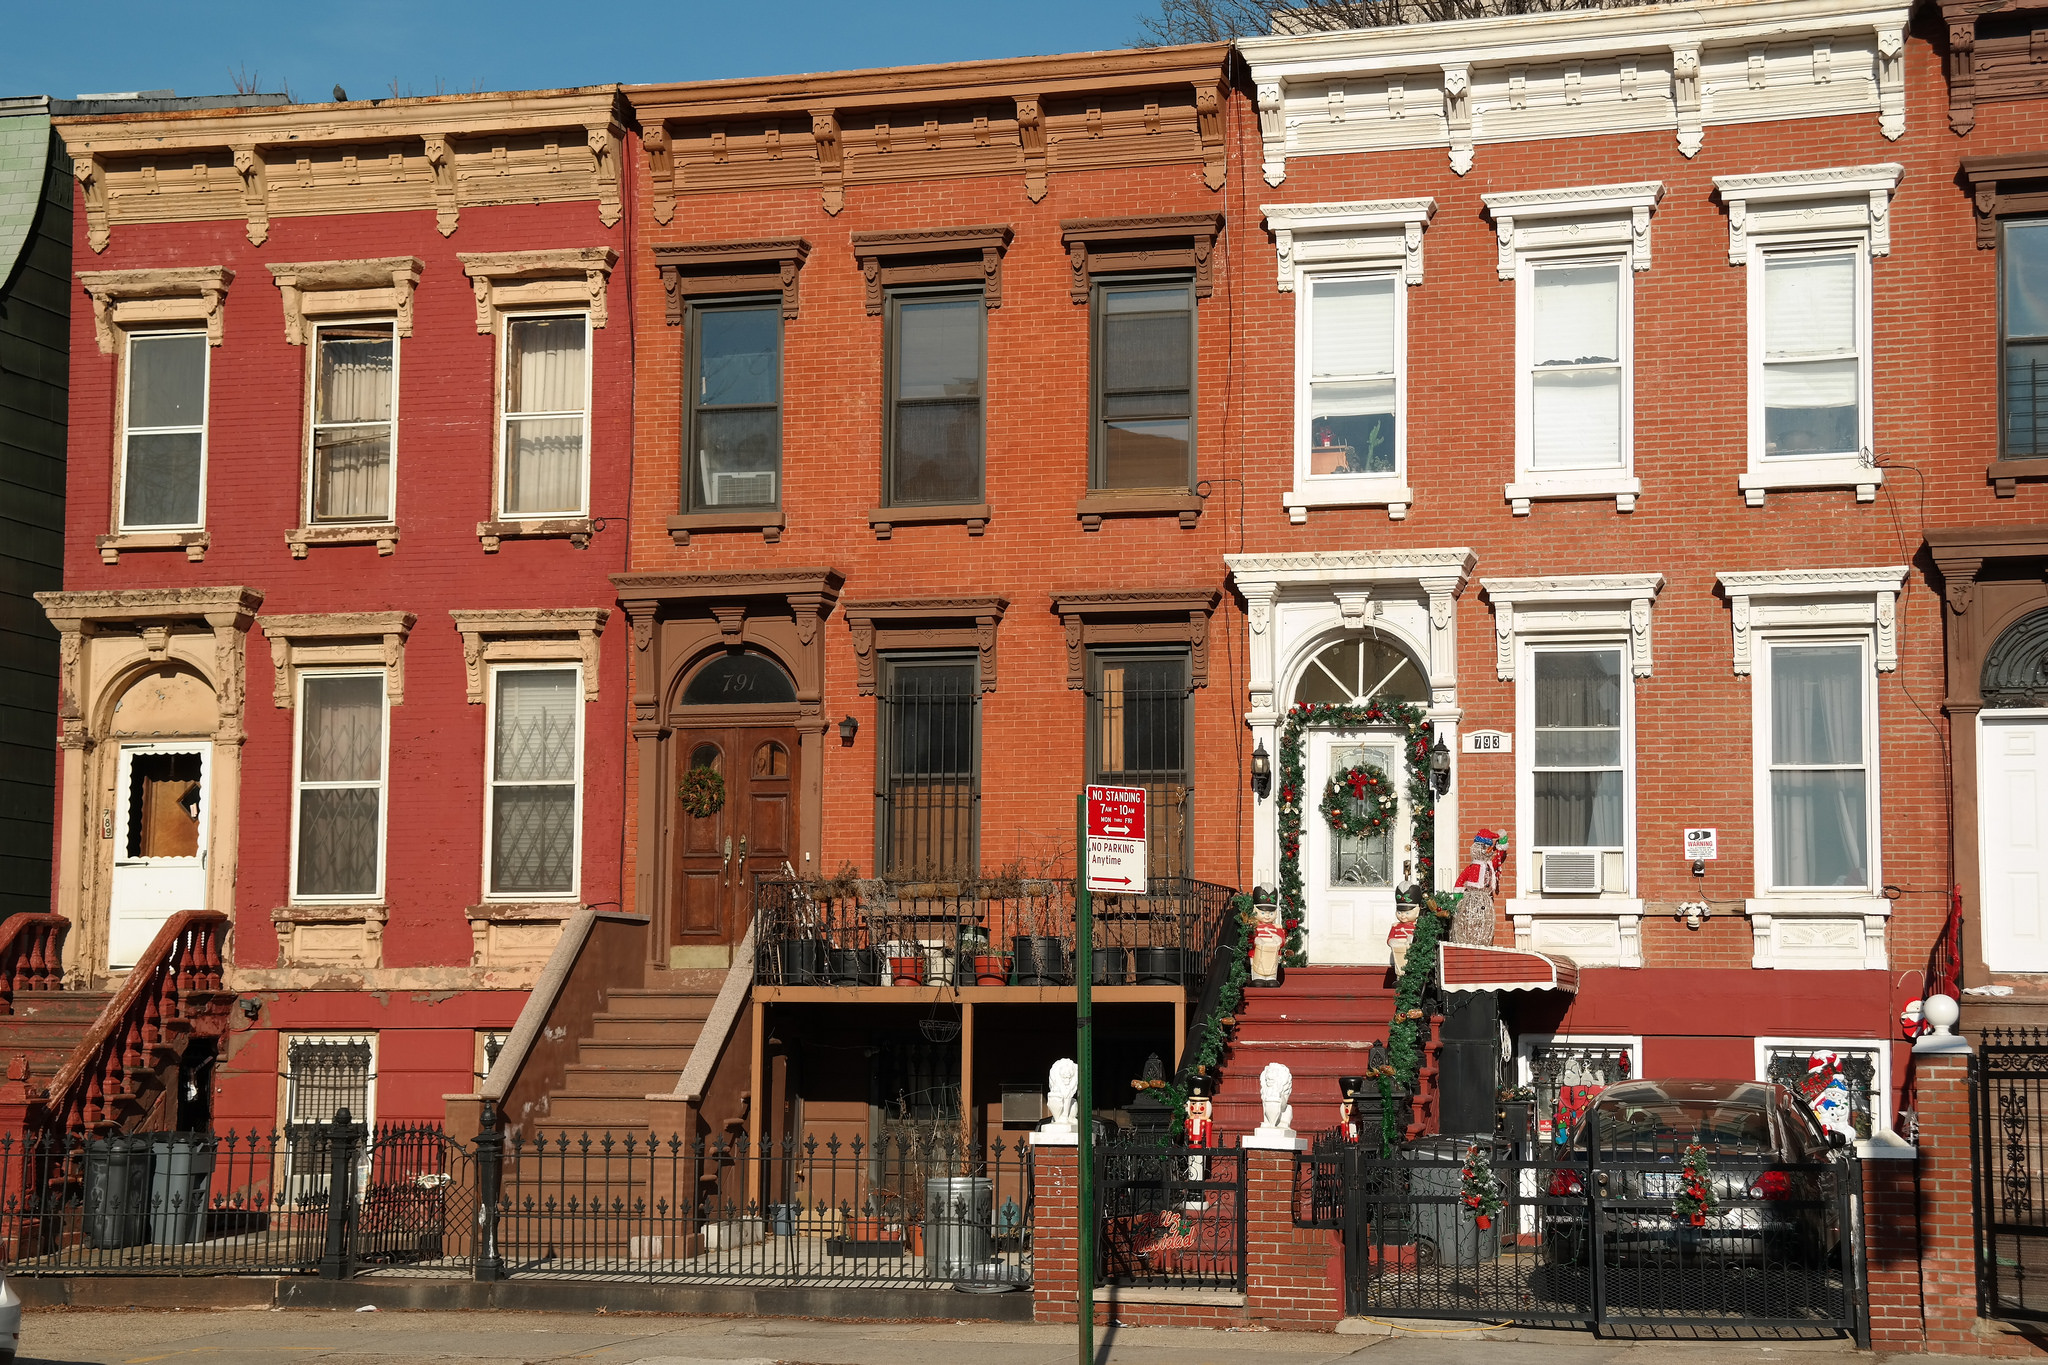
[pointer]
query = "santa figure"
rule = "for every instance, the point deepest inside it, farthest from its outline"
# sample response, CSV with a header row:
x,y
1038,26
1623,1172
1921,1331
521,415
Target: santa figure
x,y
1479,881
1268,938
1198,1126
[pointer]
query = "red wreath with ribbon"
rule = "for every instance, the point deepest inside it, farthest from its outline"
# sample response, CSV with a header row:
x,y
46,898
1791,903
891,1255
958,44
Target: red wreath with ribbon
x,y
1358,801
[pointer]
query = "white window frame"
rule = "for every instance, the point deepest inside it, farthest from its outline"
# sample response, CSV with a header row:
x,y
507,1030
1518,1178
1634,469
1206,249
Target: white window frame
x,y
1525,763
1333,241
129,338
575,889
503,322
398,335
1616,481
1843,206
383,786
1882,1099
1762,767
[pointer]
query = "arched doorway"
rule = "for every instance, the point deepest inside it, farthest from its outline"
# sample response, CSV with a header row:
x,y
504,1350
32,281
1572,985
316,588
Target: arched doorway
x,y
158,821
733,801
2012,797
1348,884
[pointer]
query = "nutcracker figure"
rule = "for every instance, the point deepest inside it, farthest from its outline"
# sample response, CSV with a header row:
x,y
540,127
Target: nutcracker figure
x,y
1268,938
1198,1126
1402,936
1349,1088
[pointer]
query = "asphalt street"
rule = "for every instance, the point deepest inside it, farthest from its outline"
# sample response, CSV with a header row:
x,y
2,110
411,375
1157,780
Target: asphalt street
x,y
269,1336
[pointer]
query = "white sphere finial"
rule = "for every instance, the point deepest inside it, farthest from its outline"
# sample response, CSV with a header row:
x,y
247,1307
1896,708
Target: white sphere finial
x,y
1941,1011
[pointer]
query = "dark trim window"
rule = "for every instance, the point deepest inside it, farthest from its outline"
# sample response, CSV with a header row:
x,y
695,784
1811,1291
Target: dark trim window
x,y
1144,383
928,779
735,405
163,467
937,343
1140,735
2023,336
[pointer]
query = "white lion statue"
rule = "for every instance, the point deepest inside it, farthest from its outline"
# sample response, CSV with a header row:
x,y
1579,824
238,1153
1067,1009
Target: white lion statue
x,y
1063,1099
1276,1090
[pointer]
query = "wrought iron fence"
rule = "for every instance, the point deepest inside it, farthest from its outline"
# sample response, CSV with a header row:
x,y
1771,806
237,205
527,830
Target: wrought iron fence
x,y
991,932
341,1200
2009,1142
1171,1217
1598,1239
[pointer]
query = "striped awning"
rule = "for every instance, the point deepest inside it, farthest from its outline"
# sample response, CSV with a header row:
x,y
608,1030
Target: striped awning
x,y
1467,967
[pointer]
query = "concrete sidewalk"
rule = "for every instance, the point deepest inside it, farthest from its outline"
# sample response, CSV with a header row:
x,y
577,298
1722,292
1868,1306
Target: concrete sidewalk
x,y
267,1336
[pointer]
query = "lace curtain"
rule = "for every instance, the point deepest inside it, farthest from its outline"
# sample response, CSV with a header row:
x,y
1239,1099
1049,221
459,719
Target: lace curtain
x,y
352,424
545,387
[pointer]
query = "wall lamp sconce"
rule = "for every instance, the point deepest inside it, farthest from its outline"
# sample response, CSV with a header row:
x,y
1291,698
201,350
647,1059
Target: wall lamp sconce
x,y
1440,766
848,728
1262,771
251,1007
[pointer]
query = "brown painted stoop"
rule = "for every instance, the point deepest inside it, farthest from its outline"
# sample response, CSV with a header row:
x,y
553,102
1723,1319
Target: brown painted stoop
x,y
610,1043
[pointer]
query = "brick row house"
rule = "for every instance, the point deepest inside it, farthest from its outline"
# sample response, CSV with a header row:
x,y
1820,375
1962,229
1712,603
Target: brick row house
x,y
350,407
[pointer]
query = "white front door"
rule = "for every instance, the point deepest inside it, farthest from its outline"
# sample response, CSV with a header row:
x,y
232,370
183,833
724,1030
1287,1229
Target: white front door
x,y
2012,803
160,824
1349,883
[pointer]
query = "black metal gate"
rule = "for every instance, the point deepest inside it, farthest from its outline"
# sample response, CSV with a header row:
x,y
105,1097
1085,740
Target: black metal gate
x,y
2008,1142
1171,1217
1598,1240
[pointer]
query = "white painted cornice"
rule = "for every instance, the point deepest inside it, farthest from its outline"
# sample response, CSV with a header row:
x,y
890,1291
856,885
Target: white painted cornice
x,y
1841,198
1319,568
1601,215
1367,232
1815,600
1617,603
1675,67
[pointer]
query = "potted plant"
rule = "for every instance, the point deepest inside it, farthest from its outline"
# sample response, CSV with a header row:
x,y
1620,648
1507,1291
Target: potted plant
x,y
968,947
907,971
1516,1105
1040,958
991,970
1158,966
1108,967
802,953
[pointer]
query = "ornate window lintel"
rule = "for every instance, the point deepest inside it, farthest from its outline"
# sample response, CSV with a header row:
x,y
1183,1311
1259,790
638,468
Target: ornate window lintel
x,y
1580,216
1170,241
1610,604
1815,599
339,639
1371,232
924,623
187,294
694,269
549,634
1839,199
563,277
316,289
1155,616
958,255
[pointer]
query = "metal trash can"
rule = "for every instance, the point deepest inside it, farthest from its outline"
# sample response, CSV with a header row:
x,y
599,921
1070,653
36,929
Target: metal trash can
x,y
117,1192
1439,1209
959,1213
178,1186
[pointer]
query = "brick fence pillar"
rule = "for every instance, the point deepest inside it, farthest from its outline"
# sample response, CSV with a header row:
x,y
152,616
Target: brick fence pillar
x,y
1294,1277
1055,1248
1891,1252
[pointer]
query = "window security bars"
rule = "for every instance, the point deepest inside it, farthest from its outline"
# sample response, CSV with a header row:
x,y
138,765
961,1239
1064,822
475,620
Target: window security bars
x,y
2009,1141
988,932
929,797
324,1077
1793,1068
1593,1236
1566,1077
533,780
1138,735
408,1200
1171,1217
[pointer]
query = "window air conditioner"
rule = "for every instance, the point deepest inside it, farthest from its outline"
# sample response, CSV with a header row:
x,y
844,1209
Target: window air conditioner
x,y
743,488
1571,870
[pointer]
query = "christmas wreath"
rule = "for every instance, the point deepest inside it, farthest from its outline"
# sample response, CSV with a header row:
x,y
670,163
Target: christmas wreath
x,y
1479,1187
702,792
1359,800
1695,1201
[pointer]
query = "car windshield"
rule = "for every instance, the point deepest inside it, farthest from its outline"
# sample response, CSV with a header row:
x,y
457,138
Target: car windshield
x,y
1679,1121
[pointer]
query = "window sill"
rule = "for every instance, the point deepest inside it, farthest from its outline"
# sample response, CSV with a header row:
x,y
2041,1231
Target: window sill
x,y
2006,474
1779,474
303,538
768,521
884,520
1832,933
193,543
1138,502
576,530
1562,486
330,935
1351,490
509,912
1593,931
512,934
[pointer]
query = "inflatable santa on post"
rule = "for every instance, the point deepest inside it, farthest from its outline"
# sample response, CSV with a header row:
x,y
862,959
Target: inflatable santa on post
x,y
1479,881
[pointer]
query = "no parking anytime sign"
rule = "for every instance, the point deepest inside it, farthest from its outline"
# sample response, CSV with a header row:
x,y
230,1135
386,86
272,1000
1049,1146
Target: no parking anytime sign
x,y
1116,838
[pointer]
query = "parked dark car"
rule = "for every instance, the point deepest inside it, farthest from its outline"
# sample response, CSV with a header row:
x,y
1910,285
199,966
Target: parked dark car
x,y
1765,1152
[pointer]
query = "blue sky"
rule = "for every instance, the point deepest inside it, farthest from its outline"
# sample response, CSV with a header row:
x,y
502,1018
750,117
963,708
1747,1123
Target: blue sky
x,y
195,46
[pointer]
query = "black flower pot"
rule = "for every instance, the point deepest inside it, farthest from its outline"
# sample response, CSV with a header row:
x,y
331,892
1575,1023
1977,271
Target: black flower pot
x,y
803,961
1039,960
1514,1120
1109,967
1159,966
846,966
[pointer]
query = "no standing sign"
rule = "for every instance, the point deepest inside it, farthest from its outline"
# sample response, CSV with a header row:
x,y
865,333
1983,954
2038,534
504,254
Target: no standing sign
x,y
1116,839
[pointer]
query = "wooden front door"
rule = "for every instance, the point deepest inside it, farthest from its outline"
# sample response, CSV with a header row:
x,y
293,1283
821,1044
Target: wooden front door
x,y
721,855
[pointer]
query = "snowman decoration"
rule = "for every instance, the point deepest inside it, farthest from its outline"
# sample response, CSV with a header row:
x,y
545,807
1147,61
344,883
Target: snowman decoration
x,y
1827,1092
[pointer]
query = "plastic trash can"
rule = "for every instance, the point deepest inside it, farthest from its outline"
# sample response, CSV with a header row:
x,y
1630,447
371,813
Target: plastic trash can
x,y
117,1192
179,1182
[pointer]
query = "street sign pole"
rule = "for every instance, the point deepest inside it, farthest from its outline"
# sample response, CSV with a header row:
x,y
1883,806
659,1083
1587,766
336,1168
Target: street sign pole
x,y
1084,1045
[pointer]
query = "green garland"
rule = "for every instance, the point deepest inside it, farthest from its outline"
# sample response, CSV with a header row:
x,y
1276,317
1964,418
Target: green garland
x,y
1213,1033
1405,1031
1417,733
